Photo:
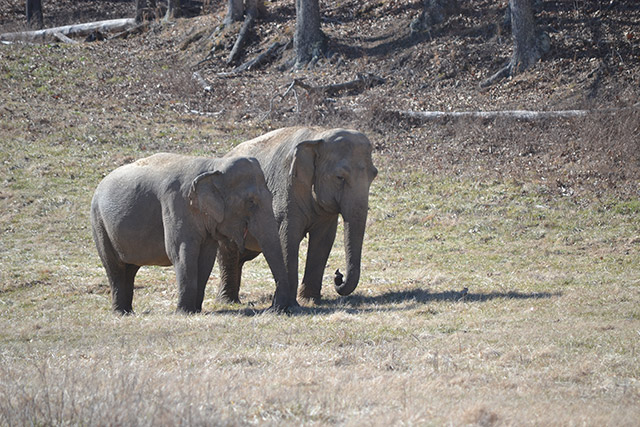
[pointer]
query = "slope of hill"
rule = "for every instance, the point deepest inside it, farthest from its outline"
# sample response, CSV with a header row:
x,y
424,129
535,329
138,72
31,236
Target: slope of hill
x,y
594,64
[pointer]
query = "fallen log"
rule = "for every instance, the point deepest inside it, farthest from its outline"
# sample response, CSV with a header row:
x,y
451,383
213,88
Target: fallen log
x,y
49,34
65,39
363,81
522,115
525,115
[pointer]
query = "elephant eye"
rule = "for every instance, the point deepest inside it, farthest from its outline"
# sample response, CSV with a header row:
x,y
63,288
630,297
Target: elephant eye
x,y
252,203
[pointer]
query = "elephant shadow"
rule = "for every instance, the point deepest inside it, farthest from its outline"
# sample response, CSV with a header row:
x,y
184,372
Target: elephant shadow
x,y
399,301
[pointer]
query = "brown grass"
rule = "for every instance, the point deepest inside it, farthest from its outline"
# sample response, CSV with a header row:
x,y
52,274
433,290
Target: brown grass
x,y
539,222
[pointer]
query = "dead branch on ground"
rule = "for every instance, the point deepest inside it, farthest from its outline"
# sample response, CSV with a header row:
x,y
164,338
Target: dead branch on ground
x,y
261,59
64,39
242,36
49,34
203,84
522,115
362,82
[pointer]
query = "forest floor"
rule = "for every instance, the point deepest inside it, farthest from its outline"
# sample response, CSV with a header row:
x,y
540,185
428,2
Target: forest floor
x,y
500,281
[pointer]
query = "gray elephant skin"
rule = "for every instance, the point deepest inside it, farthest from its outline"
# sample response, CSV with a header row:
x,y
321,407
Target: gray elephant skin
x,y
315,175
170,209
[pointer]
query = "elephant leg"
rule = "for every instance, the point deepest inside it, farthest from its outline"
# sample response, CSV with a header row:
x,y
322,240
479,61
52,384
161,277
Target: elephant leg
x,y
206,259
230,273
291,237
321,238
121,278
186,267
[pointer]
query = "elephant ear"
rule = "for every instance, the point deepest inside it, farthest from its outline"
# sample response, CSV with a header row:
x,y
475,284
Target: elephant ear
x,y
303,157
205,196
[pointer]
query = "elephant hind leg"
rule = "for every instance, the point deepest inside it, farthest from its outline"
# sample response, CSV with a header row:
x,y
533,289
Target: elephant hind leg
x,y
121,278
120,275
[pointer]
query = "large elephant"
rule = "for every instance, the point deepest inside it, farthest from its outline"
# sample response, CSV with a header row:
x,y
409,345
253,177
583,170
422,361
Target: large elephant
x,y
315,175
169,209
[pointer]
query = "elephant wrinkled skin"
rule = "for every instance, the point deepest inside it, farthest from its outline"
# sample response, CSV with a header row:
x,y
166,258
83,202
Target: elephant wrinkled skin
x,y
169,209
315,175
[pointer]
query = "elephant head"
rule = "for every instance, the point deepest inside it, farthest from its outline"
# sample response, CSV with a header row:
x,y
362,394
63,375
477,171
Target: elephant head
x,y
236,203
339,168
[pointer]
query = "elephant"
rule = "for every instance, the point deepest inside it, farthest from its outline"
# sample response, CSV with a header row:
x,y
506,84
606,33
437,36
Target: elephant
x,y
315,175
170,209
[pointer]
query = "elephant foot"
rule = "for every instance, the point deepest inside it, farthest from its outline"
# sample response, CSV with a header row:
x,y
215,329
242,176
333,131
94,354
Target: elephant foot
x,y
309,294
283,303
290,308
188,310
227,299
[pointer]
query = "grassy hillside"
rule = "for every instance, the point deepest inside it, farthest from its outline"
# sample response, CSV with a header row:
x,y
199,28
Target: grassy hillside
x,y
500,281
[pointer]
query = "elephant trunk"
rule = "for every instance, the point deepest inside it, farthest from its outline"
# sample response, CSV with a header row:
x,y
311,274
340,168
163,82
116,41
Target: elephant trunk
x,y
265,229
353,238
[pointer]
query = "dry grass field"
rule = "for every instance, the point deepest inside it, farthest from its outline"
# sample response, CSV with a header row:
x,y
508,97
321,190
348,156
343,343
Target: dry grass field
x,y
500,286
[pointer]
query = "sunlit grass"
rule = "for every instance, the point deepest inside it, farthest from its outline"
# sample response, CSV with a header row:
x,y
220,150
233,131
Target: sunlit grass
x,y
480,299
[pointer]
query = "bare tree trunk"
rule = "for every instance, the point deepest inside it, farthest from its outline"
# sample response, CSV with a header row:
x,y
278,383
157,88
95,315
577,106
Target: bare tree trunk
x,y
174,9
528,43
34,14
235,10
526,51
308,39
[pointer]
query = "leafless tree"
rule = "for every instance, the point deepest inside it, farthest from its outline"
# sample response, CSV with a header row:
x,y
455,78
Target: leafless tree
x,y
174,9
236,10
309,39
34,14
529,44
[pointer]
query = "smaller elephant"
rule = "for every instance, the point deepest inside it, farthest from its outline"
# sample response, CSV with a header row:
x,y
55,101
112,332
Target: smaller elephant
x,y
169,209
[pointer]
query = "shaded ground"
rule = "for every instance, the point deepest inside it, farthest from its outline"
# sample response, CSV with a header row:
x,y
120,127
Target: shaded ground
x,y
594,64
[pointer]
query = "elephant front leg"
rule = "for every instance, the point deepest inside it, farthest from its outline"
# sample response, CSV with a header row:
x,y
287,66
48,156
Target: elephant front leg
x,y
321,238
206,259
186,267
230,273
